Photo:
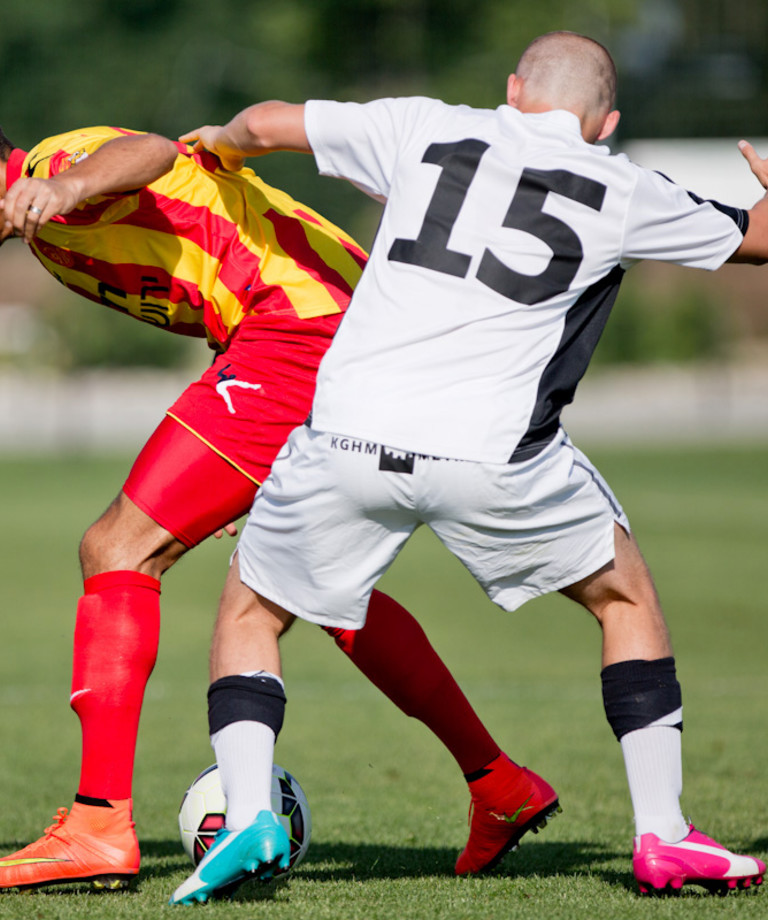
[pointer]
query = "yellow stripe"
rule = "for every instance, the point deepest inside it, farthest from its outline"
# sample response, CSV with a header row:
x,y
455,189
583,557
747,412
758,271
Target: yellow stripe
x,y
4,863
208,444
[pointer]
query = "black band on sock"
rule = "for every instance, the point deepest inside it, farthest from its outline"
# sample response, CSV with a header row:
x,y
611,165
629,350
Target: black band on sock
x,y
477,774
637,693
246,699
88,800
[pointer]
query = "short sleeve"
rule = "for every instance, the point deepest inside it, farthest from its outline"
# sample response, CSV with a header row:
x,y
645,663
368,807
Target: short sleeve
x,y
360,142
667,223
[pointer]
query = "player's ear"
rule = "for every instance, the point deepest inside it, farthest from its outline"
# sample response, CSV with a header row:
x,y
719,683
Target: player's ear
x,y
514,85
609,125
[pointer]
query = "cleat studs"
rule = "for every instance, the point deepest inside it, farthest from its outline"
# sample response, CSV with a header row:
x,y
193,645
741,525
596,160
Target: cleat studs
x,y
109,883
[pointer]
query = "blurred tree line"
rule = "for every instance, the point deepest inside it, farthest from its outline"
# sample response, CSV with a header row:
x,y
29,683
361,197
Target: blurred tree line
x,y
687,67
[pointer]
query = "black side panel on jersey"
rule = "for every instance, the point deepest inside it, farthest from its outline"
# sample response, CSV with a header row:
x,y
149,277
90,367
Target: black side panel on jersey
x,y
584,324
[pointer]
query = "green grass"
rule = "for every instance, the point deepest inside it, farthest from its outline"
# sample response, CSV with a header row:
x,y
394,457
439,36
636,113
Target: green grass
x,y
388,803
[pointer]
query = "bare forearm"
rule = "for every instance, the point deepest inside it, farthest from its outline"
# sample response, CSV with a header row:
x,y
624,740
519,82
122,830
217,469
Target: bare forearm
x,y
120,165
259,129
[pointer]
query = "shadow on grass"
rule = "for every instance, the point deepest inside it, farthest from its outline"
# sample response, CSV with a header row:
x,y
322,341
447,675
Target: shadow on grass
x,y
362,861
338,862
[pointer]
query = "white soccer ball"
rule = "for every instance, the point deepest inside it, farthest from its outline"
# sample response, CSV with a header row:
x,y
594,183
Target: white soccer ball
x,y
204,807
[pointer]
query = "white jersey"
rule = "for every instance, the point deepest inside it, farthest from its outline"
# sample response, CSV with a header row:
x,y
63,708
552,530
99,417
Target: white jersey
x,y
500,251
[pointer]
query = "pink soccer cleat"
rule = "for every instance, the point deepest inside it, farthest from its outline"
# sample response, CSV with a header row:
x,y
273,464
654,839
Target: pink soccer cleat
x,y
661,866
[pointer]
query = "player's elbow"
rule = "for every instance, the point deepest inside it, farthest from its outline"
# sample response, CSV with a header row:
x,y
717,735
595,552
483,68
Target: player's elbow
x,y
164,149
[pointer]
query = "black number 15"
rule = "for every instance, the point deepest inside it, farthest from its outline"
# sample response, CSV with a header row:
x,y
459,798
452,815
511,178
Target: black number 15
x,y
459,162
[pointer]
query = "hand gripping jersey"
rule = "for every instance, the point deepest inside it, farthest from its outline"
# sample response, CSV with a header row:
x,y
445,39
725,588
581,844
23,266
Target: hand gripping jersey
x,y
196,250
499,255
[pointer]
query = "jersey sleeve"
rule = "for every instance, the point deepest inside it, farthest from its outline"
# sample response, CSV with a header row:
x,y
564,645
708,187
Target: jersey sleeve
x,y
669,224
359,142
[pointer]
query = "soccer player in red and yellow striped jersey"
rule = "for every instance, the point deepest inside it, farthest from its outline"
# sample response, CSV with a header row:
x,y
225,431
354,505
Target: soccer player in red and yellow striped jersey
x,y
147,226
197,250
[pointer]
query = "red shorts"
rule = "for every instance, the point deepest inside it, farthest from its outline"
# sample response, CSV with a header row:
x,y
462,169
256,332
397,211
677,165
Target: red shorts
x,y
194,477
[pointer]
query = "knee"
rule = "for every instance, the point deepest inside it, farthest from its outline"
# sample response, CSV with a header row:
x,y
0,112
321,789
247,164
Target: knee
x,y
96,548
126,538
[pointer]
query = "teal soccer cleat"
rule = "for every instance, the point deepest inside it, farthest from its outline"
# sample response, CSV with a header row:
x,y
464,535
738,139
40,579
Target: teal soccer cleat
x,y
257,851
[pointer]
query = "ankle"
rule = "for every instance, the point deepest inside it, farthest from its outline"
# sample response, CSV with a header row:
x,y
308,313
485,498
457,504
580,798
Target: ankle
x,y
101,814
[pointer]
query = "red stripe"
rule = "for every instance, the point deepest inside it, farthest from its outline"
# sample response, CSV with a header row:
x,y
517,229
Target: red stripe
x,y
55,162
358,254
215,235
310,217
204,158
90,214
292,236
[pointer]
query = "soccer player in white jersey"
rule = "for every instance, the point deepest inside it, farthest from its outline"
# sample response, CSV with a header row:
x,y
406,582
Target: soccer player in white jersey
x,y
502,244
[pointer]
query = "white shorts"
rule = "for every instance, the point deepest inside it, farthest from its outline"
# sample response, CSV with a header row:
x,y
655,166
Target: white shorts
x,y
334,513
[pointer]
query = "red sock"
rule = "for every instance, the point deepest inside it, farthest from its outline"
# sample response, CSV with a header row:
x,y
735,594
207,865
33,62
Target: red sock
x,y
116,639
394,653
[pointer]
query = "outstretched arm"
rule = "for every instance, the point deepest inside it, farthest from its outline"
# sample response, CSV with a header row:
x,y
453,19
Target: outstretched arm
x,y
261,128
120,165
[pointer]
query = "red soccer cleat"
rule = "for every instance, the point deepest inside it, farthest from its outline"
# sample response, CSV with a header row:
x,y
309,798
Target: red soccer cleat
x,y
661,866
506,803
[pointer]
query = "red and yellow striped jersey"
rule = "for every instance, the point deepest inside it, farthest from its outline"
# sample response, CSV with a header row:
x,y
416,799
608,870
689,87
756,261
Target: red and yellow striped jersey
x,y
196,250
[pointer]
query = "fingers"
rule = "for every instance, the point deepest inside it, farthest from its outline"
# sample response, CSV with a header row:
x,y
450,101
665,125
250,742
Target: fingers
x,y
191,136
758,166
748,151
28,205
229,529
209,137
199,139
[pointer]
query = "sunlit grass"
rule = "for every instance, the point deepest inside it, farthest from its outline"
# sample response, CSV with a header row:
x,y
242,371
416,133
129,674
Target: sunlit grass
x,y
388,803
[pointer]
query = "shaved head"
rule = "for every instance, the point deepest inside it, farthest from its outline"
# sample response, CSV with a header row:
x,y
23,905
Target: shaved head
x,y
569,71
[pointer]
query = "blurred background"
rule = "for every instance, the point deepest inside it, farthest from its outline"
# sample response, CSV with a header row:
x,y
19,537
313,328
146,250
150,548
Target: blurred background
x,y
684,352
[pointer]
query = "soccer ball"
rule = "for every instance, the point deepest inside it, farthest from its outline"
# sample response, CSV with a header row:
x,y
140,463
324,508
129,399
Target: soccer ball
x,y
204,806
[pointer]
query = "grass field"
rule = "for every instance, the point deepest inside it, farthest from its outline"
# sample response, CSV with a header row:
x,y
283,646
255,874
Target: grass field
x,y
388,803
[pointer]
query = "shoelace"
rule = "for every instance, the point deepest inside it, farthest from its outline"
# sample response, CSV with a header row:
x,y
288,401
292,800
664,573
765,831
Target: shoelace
x,y
60,817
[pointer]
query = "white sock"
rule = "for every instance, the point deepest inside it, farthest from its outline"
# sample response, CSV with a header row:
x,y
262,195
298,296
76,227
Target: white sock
x,y
244,752
653,760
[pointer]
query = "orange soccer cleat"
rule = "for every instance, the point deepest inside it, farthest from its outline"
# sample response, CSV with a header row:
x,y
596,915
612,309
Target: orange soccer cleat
x,y
90,843
506,803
